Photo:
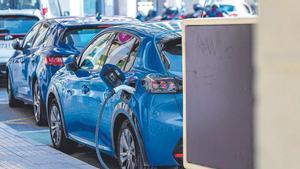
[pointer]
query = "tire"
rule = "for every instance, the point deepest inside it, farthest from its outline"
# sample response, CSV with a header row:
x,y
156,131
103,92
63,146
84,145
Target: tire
x,y
128,157
12,101
57,132
38,106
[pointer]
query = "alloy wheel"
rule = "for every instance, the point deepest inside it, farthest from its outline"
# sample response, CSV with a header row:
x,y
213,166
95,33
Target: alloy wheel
x,y
56,125
37,103
127,151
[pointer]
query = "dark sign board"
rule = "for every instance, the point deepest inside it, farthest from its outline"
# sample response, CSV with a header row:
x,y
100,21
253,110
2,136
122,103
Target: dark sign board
x,y
219,96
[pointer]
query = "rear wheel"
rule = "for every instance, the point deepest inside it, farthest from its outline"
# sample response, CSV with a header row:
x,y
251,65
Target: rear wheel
x,y
128,152
12,101
38,106
58,135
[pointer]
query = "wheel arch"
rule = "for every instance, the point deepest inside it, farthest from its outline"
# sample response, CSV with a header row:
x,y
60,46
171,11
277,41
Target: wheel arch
x,y
52,94
123,112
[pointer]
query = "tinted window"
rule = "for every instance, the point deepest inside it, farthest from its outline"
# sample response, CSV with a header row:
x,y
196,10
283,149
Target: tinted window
x,y
171,52
17,24
31,36
94,56
40,37
79,37
122,46
19,4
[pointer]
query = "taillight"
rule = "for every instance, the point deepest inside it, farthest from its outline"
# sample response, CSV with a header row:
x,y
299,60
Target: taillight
x,y
156,83
54,61
178,155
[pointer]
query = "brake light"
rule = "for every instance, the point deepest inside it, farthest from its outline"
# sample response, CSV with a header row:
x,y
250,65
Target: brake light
x,y
54,61
178,155
103,26
156,83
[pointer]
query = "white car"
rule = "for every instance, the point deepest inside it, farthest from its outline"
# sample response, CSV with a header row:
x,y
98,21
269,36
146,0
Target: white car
x,y
14,24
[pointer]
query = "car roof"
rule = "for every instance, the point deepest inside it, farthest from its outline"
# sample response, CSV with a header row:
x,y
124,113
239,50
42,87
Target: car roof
x,y
22,12
92,20
152,29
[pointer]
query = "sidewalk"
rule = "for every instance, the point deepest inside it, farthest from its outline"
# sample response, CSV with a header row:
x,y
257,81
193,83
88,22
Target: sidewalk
x,y
17,152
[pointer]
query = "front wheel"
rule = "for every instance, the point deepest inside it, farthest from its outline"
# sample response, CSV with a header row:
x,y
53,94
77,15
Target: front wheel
x,y
128,152
58,136
38,106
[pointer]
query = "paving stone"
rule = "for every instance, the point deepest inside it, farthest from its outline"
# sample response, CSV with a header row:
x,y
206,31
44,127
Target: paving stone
x,y
18,152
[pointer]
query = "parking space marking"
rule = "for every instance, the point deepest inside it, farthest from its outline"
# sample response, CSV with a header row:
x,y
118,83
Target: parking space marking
x,y
34,131
17,121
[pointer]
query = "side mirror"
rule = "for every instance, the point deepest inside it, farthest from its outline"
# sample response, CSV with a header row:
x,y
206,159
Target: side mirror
x,y
17,45
112,76
71,63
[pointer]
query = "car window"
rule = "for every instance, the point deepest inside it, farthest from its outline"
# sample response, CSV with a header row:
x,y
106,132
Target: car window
x,y
40,37
123,46
49,37
31,36
19,4
94,56
17,24
172,55
78,38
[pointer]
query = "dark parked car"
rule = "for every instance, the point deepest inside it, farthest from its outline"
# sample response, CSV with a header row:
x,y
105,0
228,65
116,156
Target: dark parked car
x,y
42,53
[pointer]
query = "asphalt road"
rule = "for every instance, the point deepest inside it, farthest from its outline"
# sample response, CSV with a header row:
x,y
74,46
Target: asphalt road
x,y
22,120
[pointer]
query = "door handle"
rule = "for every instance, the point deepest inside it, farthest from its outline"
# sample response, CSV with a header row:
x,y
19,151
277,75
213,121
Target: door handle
x,y
85,89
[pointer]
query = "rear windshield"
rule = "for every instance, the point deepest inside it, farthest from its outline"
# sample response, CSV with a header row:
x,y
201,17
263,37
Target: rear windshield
x,y
19,4
17,24
79,37
171,52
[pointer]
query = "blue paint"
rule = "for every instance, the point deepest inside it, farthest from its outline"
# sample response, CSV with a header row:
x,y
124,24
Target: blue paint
x,y
29,64
157,117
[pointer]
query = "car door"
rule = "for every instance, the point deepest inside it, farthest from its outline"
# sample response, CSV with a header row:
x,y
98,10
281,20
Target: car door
x,y
77,107
32,59
19,62
118,53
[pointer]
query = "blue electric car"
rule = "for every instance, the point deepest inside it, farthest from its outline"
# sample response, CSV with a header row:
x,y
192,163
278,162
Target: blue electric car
x,y
140,129
42,53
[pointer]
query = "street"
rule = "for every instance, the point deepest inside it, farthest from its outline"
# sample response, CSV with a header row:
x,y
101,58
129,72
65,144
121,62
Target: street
x,y
22,120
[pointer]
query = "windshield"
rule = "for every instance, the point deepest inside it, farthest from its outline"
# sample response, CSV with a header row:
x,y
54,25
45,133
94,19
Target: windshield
x,y
172,55
79,37
19,4
17,24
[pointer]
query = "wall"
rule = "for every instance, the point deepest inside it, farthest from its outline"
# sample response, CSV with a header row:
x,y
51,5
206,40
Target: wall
x,y
278,85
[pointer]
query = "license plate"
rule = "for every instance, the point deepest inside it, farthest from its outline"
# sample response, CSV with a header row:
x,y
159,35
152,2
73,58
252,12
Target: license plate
x,y
5,44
